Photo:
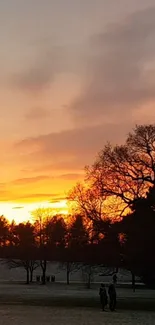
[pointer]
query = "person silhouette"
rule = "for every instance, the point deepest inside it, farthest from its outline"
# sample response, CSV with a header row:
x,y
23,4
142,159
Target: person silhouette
x,y
114,278
103,296
112,296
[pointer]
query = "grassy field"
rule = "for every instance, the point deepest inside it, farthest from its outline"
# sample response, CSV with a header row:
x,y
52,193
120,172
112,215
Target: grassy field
x,y
33,315
61,295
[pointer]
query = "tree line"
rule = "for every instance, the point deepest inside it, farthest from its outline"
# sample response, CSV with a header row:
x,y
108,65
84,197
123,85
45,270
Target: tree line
x,y
50,238
113,216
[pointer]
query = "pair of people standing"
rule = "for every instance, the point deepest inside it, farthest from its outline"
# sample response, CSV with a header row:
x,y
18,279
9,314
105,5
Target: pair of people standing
x,y
104,297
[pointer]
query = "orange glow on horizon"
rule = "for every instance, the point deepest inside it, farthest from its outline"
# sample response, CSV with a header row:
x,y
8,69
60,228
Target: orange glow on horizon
x,y
23,212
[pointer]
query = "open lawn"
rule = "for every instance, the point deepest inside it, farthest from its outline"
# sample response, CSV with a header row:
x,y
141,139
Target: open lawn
x,y
75,295
24,315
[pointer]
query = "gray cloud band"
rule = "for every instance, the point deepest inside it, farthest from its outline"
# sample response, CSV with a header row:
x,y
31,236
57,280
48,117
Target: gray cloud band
x,y
121,74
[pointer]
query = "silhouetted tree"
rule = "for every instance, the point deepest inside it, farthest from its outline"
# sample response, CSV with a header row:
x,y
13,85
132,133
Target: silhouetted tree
x,y
126,171
139,246
41,216
12,238
69,268
55,231
121,173
119,179
22,236
88,273
4,231
76,238
77,233
88,202
33,265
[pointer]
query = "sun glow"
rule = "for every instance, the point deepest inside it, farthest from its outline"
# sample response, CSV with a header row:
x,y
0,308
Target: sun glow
x,y
23,212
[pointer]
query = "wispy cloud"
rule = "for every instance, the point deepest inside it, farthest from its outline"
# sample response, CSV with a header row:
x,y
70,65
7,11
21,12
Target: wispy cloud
x,y
112,76
39,195
17,208
74,176
58,199
45,63
27,197
72,145
121,74
36,113
28,180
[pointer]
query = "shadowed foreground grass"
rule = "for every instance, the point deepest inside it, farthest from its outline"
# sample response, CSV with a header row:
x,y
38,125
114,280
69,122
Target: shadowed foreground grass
x,y
75,295
140,304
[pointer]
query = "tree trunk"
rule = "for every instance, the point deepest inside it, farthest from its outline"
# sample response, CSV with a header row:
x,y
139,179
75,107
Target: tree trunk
x,y
116,271
31,275
44,277
43,266
89,280
68,273
27,276
133,282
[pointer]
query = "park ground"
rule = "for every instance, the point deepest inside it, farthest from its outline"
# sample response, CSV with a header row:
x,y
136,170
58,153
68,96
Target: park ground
x,y
74,295
23,315
60,304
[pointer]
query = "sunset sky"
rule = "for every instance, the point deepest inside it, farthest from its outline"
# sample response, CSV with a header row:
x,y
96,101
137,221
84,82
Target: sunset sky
x,y
74,74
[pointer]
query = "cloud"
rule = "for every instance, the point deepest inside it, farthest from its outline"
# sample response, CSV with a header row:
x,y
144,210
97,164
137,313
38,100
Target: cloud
x,y
70,149
3,194
6,196
121,73
44,64
72,164
57,200
17,208
74,176
36,113
34,197
38,195
120,80
2,185
29,180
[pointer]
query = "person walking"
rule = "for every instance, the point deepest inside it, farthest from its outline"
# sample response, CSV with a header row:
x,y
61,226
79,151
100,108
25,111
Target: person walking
x,y
112,296
115,278
103,296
